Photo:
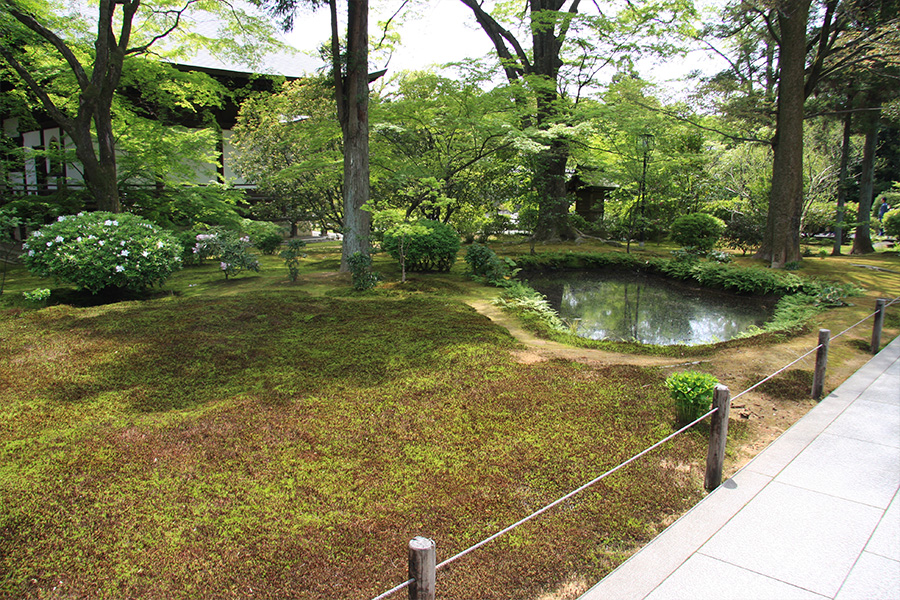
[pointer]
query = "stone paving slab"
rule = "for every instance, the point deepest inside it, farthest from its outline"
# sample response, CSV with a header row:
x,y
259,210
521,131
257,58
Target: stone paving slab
x,y
815,515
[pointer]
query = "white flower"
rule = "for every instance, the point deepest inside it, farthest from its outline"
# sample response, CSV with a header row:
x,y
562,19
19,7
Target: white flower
x,y
49,244
159,244
101,242
119,268
59,238
122,243
145,254
78,239
123,253
109,222
60,219
31,253
37,234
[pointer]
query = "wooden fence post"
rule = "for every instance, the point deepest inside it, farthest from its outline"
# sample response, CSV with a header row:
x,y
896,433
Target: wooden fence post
x,y
821,363
718,435
876,327
422,558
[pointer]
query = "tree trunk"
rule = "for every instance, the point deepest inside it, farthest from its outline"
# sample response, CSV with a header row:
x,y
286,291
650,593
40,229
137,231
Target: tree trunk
x,y
99,173
355,127
550,165
553,204
781,243
842,183
862,240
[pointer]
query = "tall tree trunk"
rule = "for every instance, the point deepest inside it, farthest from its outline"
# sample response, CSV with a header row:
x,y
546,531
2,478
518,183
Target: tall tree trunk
x,y
781,243
550,165
353,102
99,174
547,36
842,182
862,240
553,203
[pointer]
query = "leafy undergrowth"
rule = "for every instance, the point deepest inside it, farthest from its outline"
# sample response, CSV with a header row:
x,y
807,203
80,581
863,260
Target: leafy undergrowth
x,y
269,443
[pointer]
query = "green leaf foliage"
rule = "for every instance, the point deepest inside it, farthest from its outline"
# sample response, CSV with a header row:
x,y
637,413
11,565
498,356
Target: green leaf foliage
x,y
99,250
698,230
427,246
692,392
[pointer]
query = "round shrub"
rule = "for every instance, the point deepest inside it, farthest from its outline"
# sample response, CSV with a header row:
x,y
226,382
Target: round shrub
x,y
485,265
428,246
891,223
698,230
101,250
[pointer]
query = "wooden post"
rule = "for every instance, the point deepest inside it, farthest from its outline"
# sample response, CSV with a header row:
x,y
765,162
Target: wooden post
x,y
422,558
718,435
876,328
821,363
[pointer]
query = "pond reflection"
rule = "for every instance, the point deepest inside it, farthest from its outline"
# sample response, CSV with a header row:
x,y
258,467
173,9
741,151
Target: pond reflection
x,y
652,310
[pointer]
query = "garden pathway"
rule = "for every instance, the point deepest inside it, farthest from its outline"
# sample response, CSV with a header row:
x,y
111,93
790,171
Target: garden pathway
x,y
814,516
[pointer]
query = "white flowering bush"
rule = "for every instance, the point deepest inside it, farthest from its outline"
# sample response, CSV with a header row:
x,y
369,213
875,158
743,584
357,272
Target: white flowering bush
x,y
101,250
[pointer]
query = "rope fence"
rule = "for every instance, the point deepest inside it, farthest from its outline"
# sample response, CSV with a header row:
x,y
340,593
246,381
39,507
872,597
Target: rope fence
x,y
422,567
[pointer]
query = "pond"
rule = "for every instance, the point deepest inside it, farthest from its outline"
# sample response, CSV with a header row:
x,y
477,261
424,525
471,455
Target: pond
x,y
623,306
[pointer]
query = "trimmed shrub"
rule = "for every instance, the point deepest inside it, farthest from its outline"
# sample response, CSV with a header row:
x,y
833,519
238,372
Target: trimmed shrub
x,y
699,231
429,246
891,223
264,235
485,265
100,250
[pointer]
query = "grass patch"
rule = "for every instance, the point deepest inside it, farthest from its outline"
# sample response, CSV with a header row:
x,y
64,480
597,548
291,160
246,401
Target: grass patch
x,y
260,437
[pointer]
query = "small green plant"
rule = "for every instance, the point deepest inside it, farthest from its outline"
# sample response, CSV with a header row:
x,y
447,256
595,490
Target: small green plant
x,y
693,394
361,271
719,256
793,265
38,296
230,248
698,230
292,255
101,250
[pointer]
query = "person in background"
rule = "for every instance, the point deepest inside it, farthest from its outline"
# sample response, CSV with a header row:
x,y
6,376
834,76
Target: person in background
x,y
882,210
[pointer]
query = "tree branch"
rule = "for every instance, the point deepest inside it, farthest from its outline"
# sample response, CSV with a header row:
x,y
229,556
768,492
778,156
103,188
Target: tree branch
x,y
31,23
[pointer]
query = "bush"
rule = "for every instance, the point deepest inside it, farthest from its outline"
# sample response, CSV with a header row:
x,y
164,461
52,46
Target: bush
x,y
698,230
743,232
428,246
485,265
264,235
693,394
292,255
361,271
891,223
230,248
100,250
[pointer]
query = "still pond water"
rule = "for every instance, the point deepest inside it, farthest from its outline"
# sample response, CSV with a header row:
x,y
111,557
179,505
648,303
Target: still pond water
x,y
652,310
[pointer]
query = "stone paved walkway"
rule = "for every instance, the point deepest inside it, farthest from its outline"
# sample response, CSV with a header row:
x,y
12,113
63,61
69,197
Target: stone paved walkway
x,y
816,515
